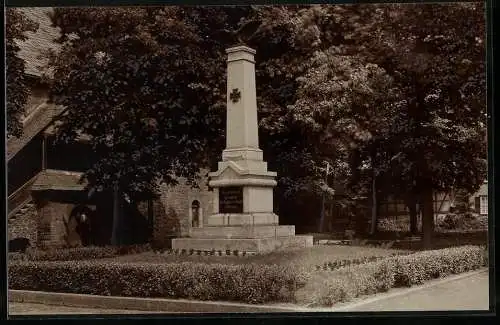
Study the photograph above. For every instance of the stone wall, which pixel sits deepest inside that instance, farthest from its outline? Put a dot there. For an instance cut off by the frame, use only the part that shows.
(45, 225)
(172, 211)
(52, 227)
(24, 224)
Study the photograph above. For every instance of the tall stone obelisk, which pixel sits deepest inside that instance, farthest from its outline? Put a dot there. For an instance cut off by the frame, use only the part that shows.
(243, 217)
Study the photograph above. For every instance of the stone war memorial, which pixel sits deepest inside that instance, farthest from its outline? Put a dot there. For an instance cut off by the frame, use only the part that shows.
(242, 218)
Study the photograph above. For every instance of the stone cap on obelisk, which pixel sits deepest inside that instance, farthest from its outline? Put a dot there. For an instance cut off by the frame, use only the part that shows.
(242, 138)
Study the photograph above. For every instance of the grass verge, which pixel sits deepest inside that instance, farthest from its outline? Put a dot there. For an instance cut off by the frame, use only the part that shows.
(326, 288)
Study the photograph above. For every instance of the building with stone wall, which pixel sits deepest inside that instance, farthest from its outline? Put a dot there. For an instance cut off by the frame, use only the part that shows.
(44, 185)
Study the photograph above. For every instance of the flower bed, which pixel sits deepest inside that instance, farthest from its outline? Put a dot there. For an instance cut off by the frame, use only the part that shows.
(339, 263)
(246, 283)
(344, 284)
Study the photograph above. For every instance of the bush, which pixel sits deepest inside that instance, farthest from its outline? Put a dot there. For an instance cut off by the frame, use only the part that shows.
(349, 282)
(417, 268)
(246, 283)
(450, 221)
(78, 253)
(465, 221)
(393, 224)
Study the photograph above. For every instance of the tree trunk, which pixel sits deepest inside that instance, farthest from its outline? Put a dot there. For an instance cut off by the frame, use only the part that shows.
(427, 219)
(150, 219)
(115, 236)
(411, 202)
(373, 227)
(322, 218)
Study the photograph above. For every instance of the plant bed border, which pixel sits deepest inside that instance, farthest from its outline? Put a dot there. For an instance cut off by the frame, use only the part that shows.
(344, 284)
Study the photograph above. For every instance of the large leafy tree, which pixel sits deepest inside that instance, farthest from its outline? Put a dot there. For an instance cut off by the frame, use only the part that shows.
(17, 24)
(293, 43)
(433, 138)
(438, 140)
(145, 84)
(387, 89)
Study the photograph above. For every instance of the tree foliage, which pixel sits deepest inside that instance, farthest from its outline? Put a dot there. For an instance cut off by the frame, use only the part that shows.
(146, 85)
(391, 91)
(17, 91)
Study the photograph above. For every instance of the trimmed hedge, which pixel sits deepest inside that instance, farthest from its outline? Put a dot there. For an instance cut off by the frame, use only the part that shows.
(78, 253)
(251, 283)
(246, 283)
(400, 271)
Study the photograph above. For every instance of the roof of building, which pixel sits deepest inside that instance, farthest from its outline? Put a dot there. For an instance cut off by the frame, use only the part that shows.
(51, 179)
(42, 118)
(483, 190)
(34, 52)
(34, 49)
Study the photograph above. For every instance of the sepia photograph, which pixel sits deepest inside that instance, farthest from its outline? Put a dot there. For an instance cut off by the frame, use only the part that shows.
(170, 160)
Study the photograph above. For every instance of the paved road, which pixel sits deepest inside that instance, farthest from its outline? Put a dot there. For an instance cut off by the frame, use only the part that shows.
(40, 309)
(470, 293)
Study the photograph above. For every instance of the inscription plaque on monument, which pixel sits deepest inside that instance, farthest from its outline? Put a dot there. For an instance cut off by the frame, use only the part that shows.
(231, 199)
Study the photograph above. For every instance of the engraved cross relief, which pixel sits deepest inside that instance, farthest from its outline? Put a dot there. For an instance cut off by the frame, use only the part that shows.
(235, 95)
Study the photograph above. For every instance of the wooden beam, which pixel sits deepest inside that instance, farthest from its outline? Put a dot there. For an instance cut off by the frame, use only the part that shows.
(44, 152)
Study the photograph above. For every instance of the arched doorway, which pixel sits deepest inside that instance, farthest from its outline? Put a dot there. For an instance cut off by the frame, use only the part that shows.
(83, 216)
(196, 214)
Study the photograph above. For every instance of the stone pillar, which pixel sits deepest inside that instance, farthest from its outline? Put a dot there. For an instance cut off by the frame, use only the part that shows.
(242, 175)
(241, 127)
(242, 217)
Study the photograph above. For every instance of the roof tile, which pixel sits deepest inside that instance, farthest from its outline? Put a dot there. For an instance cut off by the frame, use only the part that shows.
(52, 179)
(34, 49)
(42, 118)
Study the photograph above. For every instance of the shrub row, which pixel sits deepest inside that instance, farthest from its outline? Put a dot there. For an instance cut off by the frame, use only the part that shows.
(246, 283)
(398, 271)
(78, 253)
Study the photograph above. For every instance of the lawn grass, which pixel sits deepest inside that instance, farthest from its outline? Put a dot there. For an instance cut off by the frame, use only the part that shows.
(295, 276)
(305, 259)
(448, 239)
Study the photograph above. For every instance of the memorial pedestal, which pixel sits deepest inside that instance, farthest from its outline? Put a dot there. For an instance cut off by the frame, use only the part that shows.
(243, 217)
(248, 245)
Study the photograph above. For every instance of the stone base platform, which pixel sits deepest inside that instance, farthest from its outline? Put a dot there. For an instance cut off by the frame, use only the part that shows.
(234, 232)
(243, 219)
(259, 245)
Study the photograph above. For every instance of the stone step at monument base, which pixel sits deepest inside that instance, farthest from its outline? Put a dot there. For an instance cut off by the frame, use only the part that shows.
(258, 245)
(240, 219)
(233, 232)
